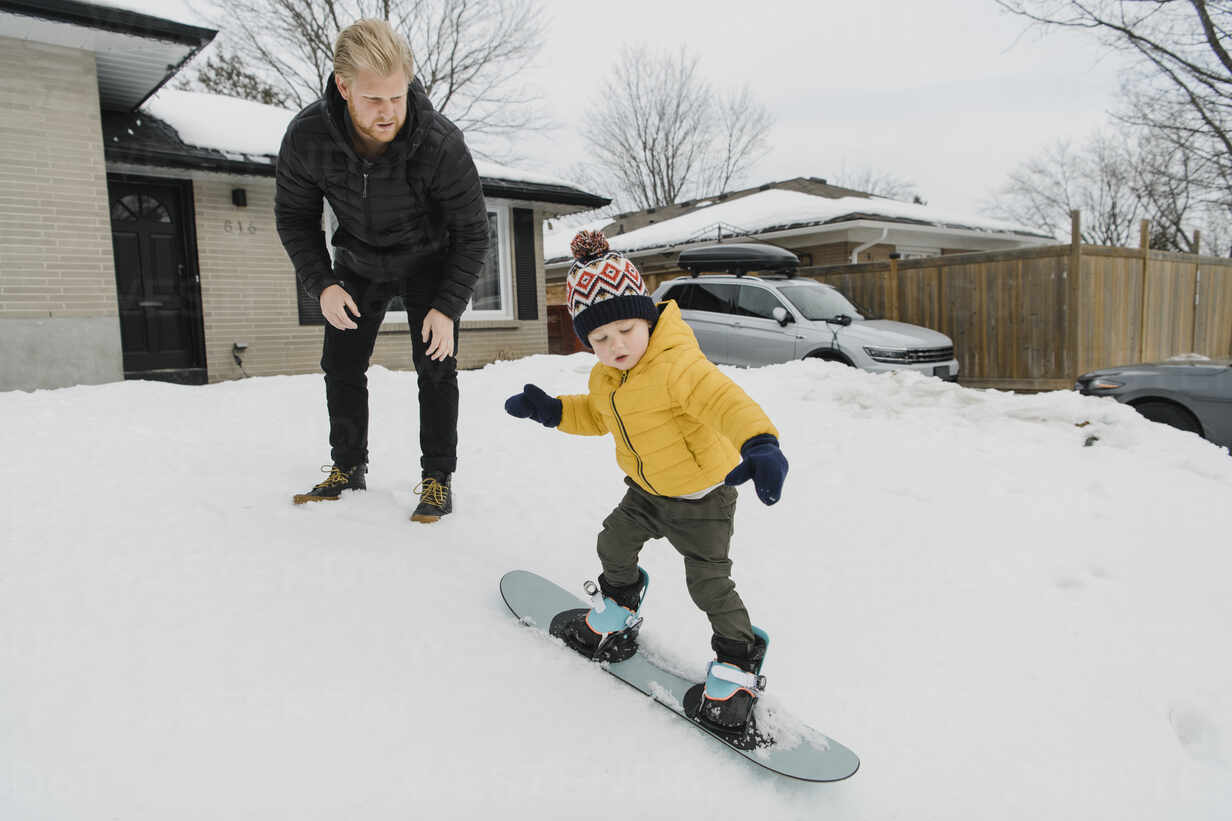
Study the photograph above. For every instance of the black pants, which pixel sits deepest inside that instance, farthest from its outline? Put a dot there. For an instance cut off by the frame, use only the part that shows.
(345, 360)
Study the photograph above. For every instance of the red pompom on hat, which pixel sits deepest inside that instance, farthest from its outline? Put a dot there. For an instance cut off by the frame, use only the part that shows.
(587, 245)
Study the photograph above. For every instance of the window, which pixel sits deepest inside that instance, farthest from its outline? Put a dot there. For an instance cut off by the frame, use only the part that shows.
(704, 296)
(817, 302)
(676, 292)
(757, 302)
(493, 296)
(135, 207)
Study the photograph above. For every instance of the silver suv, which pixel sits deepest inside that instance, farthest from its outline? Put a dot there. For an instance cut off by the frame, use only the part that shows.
(761, 320)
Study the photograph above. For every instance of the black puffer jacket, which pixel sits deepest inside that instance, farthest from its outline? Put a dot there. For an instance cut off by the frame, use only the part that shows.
(416, 212)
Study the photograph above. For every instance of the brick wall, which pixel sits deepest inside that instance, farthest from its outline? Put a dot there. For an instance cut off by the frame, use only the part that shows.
(55, 230)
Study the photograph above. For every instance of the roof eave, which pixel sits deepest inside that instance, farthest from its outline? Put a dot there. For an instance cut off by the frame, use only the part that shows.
(263, 166)
(541, 192)
(108, 18)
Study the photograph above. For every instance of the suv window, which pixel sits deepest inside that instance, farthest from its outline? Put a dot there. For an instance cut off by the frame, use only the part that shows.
(821, 302)
(757, 302)
(703, 296)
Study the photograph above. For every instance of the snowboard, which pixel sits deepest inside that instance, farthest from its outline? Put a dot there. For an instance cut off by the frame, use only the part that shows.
(794, 751)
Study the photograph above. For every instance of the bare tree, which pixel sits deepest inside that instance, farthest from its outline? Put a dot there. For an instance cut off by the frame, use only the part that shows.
(229, 75)
(1115, 182)
(1185, 96)
(878, 183)
(1095, 178)
(660, 133)
(469, 54)
(742, 124)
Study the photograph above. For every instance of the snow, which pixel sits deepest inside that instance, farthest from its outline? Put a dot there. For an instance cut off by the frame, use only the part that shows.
(210, 121)
(496, 171)
(230, 124)
(222, 123)
(177, 11)
(559, 232)
(1002, 622)
(778, 209)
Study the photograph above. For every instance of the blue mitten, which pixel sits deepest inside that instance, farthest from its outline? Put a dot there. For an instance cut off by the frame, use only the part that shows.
(765, 464)
(533, 403)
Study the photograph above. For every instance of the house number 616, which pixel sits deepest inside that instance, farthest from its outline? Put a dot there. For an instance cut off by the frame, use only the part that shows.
(238, 227)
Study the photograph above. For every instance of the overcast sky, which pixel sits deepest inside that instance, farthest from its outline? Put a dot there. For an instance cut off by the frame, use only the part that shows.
(949, 94)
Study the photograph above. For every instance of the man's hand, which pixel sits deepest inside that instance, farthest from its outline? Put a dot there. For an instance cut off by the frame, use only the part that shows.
(334, 304)
(438, 328)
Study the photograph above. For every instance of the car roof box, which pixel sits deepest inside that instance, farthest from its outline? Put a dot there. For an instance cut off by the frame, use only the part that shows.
(738, 258)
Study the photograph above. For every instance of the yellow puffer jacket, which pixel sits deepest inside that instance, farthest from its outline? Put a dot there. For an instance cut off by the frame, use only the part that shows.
(678, 423)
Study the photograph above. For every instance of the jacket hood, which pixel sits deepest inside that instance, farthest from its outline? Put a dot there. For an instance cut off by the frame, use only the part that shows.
(670, 331)
(418, 110)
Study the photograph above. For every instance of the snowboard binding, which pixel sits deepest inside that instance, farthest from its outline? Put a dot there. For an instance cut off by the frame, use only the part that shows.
(608, 630)
(724, 702)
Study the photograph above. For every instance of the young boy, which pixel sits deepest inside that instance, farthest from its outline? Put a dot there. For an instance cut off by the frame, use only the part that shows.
(684, 434)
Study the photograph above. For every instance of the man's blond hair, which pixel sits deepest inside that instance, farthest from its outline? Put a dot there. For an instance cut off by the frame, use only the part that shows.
(373, 45)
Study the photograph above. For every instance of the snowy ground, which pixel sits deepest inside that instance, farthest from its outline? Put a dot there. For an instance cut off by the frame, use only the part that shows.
(1002, 622)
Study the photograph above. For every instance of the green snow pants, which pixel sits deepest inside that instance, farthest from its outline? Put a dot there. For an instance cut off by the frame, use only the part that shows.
(701, 532)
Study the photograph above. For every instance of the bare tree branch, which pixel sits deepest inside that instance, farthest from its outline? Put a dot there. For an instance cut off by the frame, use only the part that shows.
(1182, 101)
(469, 54)
(661, 134)
(878, 183)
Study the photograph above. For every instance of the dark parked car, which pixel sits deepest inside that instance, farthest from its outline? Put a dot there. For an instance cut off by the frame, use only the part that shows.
(1190, 394)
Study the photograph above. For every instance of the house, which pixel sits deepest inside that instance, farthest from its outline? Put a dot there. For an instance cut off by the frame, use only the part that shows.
(137, 233)
(821, 223)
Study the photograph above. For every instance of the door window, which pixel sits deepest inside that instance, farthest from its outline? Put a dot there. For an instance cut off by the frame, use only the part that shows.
(135, 207)
(757, 302)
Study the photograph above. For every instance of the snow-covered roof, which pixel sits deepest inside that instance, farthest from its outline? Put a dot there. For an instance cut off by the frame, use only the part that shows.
(252, 132)
(557, 238)
(778, 210)
(226, 124)
(495, 171)
(177, 11)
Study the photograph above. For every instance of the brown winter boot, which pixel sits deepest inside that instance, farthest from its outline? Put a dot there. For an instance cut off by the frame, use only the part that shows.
(331, 487)
(435, 497)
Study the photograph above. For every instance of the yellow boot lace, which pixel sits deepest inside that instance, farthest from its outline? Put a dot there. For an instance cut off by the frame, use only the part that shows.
(337, 476)
(432, 491)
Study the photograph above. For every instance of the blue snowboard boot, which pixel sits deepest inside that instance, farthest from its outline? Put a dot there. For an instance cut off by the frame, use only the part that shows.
(734, 682)
(608, 630)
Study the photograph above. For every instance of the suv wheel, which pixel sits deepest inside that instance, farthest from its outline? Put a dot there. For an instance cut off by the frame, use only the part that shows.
(831, 356)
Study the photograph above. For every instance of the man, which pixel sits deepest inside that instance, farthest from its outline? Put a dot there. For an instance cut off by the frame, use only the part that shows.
(411, 222)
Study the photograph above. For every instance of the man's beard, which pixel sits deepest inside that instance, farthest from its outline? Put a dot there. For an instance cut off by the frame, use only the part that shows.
(371, 132)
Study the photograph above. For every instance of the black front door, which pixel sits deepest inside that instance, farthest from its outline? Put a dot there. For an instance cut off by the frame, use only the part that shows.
(156, 282)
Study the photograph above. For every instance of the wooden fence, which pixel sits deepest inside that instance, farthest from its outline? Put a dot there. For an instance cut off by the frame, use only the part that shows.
(1022, 320)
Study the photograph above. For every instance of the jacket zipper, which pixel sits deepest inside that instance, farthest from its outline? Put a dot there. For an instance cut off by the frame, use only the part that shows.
(625, 434)
(364, 197)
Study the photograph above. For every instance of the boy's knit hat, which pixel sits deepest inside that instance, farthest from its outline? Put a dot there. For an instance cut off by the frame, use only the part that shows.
(603, 286)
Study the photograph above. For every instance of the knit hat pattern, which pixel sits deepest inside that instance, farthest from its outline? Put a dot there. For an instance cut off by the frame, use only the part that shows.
(603, 286)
